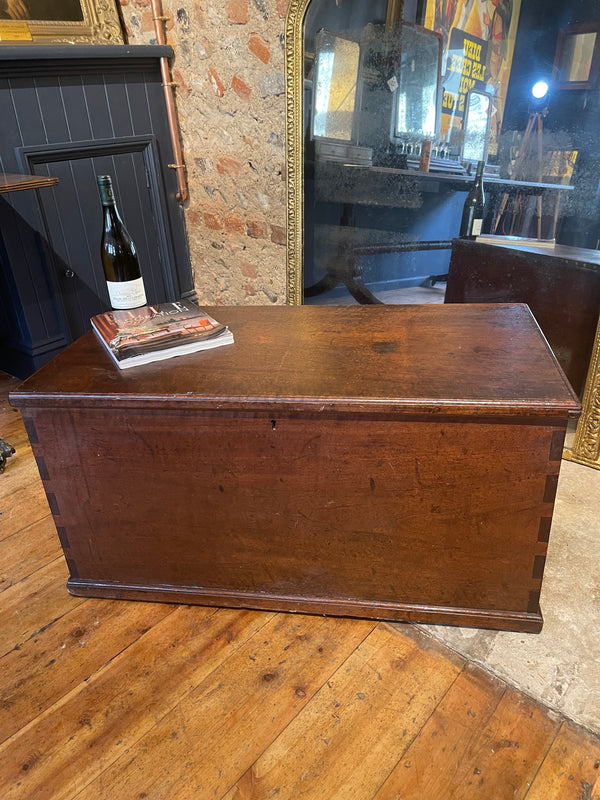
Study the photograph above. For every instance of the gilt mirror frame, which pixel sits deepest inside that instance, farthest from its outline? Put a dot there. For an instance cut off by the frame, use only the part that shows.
(294, 99)
(586, 445)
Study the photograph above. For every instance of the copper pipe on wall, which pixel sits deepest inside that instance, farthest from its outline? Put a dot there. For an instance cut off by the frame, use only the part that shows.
(169, 88)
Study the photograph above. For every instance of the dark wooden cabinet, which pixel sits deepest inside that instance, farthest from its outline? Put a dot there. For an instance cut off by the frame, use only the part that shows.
(397, 462)
(560, 285)
(73, 113)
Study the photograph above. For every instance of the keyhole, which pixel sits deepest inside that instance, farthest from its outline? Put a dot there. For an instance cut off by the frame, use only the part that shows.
(273, 424)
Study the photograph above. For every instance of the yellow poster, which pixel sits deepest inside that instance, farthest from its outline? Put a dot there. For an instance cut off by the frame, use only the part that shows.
(479, 38)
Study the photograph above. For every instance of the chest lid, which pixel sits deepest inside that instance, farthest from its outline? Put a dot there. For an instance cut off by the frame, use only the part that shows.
(425, 359)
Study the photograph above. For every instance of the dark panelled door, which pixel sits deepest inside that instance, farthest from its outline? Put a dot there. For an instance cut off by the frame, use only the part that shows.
(72, 216)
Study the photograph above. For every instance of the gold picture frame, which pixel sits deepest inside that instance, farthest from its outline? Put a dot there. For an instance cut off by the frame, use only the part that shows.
(294, 100)
(586, 444)
(95, 22)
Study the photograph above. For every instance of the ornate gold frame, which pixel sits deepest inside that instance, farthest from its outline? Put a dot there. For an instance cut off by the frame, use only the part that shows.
(586, 445)
(294, 100)
(101, 25)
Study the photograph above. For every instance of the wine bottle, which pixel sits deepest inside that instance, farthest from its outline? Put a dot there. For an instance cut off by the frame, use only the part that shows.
(472, 215)
(117, 251)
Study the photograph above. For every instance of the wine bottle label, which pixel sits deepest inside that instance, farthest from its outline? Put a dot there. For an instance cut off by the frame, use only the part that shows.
(477, 223)
(127, 294)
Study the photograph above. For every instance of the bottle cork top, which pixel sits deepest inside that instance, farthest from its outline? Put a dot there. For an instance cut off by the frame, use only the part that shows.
(106, 191)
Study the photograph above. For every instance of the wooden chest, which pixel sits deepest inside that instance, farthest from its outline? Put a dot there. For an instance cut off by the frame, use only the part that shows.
(394, 462)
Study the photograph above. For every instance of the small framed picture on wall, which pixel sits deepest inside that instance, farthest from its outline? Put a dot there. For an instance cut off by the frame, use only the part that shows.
(577, 56)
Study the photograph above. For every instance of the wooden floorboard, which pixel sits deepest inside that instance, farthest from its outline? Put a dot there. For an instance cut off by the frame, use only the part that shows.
(104, 699)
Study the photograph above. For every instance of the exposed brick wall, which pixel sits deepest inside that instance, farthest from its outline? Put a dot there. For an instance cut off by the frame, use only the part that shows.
(230, 69)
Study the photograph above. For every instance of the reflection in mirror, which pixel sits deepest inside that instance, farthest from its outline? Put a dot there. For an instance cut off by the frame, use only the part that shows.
(417, 95)
(476, 126)
(336, 75)
(577, 56)
(374, 88)
(364, 204)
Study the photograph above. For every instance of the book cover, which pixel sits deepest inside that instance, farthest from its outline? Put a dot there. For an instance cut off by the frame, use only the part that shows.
(157, 332)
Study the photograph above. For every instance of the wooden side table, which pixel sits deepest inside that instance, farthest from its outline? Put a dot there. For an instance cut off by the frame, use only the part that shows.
(17, 183)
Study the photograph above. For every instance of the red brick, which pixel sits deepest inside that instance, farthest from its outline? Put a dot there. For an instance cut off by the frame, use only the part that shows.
(237, 12)
(234, 225)
(147, 23)
(183, 90)
(257, 230)
(282, 6)
(259, 47)
(216, 82)
(228, 166)
(213, 221)
(208, 46)
(248, 270)
(193, 217)
(250, 290)
(278, 234)
(240, 88)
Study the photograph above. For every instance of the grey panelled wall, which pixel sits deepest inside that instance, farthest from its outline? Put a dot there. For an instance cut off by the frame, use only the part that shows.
(74, 112)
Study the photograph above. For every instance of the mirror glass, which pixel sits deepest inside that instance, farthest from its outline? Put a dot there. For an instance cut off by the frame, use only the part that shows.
(372, 89)
(389, 105)
(336, 76)
(418, 76)
(476, 126)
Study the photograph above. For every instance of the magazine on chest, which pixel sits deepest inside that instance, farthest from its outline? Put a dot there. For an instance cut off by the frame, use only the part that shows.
(157, 332)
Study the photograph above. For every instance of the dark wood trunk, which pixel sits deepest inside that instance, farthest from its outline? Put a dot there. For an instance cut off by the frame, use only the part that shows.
(393, 462)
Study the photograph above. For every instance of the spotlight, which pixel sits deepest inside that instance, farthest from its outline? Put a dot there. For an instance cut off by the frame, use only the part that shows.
(539, 90)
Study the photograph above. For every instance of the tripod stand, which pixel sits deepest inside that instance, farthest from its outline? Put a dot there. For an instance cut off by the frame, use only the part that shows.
(526, 152)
